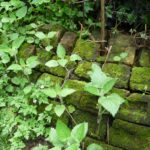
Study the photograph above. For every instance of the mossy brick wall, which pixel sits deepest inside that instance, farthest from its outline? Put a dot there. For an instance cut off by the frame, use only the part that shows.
(130, 129)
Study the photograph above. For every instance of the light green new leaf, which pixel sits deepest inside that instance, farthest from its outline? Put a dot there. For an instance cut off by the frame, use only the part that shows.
(92, 89)
(108, 85)
(51, 34)
(56, 148)
(21, 12)
(53, 138)
(94, 146)
(98, 78)
(14, 67)
(40, 35)
(52, 63)
(75, 57)
(62, 62)
(79, 131)
(61, 52)
(73, 147)
(48, 48)
(111, 103)
(63, 132)
(123, 55)
(117, 58)
(59, 110)
(32, 61)
(50, 92)
(49, 107)
(66, 91)
(17, 42)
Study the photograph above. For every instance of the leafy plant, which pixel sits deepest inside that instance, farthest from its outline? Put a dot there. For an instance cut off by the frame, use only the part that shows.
(100, 86)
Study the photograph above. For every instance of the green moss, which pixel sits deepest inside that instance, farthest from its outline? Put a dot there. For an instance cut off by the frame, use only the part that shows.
(140, 79)
(145, 58)
(46, 78)
(43, 55)
(134, 113)
(122, 92)
(81, 116)
(85, 49)
(26, 50)
(129, 136)
(105, 146)
(122, 72)
(82, 69)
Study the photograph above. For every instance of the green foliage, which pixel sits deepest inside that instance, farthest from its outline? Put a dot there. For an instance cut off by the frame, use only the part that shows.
(101, 85)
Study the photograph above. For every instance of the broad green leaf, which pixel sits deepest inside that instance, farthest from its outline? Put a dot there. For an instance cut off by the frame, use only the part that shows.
(117, 58)
(50, 92)
(62, 62)
(56, 148)
(79, 131)
(32, 61)
(73, 147)
(49, 107)
(27, 89)
(17, 42)
(30, 39)
(61, 52)
(92, 89)
(40, 35)
(63, 132)
(27, 71)
(108, 85)
(48, 48)
(71, 108)
(53, 138)
(59, 110)
(14, 67)
(66, 91)
(111, 103)
(52, 63)
(75, 57)
(98, 78)
(94, 146)
(5, 48)
(21, 12)
(51, 34)
(5, 58)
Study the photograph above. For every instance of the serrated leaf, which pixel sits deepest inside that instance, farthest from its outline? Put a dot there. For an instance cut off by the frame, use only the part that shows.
(98, 78)
(92, 89)
(62, 131)
(40, 35)
(17, 42)
(66, 91)
(59, 110)
(61, 52)
(108, 85)
(21, 12)
(14, 67)
(79, 132)
(94, 146)
(62, 62)
(52, 63)
(75, 57)
(32, 61)
(50, 92)
(111, 103)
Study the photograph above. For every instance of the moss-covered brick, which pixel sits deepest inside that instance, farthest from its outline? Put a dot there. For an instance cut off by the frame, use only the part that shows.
(122, 43)
(43, 55)
(144, 60)
(134, 112)
(82, 69)
(122, 92)
(105, 146)
(86, 49)
(81, 116)
(46, 78)
(122, 72)
(129, 136)
(26, 50)
(140, 79)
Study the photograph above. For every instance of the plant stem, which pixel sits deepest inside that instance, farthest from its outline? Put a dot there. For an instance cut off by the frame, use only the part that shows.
(99, 118)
